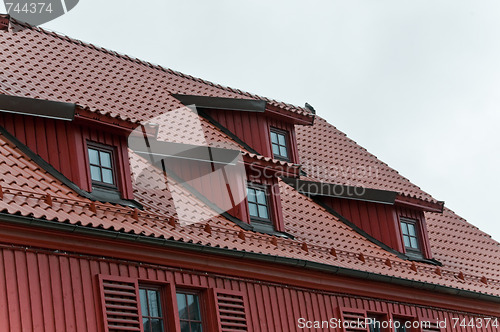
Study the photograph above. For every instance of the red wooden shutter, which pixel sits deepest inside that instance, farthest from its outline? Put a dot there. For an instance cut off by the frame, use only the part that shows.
(350, 319)
(120, 304)
(231, 311)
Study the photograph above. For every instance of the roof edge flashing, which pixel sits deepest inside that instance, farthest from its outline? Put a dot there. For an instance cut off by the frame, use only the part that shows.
(37, 107)
(313, 188)
(234, 104)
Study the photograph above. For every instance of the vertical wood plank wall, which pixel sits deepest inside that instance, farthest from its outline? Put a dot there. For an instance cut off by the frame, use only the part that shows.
(254, 129)
(375, 219)
(44, 291)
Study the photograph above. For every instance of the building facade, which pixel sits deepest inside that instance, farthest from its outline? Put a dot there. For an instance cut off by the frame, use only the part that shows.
(137, 198)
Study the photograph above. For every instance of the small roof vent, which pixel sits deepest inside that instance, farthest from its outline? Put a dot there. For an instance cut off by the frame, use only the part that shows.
(310, 108)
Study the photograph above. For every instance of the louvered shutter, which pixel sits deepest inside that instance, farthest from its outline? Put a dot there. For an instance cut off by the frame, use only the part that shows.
(350, 318)
(231, 311)
(120, 304)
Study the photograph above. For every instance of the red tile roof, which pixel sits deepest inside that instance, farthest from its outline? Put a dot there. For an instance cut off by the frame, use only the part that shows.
(42, 64)
(340, 160)
(117, 85)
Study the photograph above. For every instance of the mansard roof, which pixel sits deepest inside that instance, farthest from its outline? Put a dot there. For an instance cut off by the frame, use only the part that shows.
(45, 65)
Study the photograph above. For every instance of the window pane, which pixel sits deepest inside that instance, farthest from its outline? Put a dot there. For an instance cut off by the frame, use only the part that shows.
(253, 209)
(146, 323)
(105, 159)
(185, 327)
(154, 303)
(407, 241)
(414, 242)
(251, 195)
(107, 176)
(263, 211)
(196, 327)
(93, 156)
(261, 196)
(95, 173)
(401, 328)
(276, 149)
(194, 307)
(374, 325)
(404, 228)
(181, 305)
(281, 139)
(157, 325)
(411, 229)
(144, 302)
(283, 151)
(274, 137)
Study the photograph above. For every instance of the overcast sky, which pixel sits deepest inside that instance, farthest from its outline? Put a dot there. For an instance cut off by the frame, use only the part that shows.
(415, 82)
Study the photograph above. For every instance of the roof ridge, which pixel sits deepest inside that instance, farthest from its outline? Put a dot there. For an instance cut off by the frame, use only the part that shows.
(156, 66)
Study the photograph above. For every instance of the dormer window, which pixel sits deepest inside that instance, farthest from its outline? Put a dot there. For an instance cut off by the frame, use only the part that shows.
(258, 203)
(101, 163)
(410, 234)
(280, 144)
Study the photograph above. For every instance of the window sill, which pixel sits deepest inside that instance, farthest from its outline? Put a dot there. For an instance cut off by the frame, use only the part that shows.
(282, 158)
(112, 196)
(413, 258)
(267, 228)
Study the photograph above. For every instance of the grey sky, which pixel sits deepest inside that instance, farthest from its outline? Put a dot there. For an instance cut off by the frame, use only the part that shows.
(414, 82)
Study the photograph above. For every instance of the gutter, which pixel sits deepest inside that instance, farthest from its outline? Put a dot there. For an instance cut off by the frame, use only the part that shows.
(291, 262)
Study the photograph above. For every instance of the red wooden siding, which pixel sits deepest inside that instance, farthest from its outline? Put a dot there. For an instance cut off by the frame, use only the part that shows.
(45, 291)
(63, 145)
(375, 219)
(380, 220)
(254, 129)
(250, 127)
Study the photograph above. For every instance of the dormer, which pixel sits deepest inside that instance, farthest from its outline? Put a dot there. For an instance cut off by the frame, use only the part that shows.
(240, 186)
(87, 149)
(268, 135)
(388, 218)
(263, 128)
